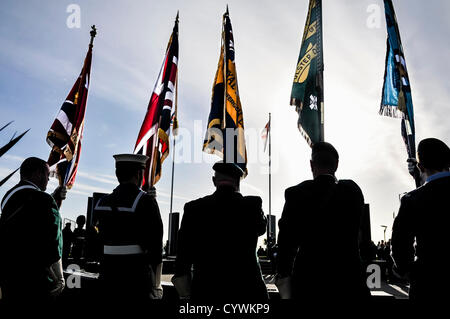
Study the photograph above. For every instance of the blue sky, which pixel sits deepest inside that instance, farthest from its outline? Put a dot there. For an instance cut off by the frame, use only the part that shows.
(40, 58)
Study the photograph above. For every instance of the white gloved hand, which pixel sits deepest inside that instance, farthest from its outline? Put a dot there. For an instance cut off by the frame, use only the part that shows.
(412, 162)
(157, 290)
(56, 273)
(284, 286)
(183, 286)
(60, 193)
(152, 192)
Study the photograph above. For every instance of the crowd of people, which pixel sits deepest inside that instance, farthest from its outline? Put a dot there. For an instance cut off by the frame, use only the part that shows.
(227, 226)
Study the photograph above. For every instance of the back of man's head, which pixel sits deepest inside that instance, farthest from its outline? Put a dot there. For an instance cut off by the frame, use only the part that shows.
(324, 156)
(81, 220)
(434, 154)
(127, 172)
(31, 167)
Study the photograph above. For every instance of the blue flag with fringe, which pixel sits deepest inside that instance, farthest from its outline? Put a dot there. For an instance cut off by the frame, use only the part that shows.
(396, 100)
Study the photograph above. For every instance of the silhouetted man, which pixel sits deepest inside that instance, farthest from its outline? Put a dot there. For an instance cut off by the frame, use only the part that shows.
(317, 215)
(67, 242)
(424, 217)
(79, 239)
(131, 231)
(218, 238)
(31, 216)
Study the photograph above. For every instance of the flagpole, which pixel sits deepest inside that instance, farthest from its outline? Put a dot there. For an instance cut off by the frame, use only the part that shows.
(173, 173)
(224, 121)
(173, 134)
(270, 176)
(322, 102)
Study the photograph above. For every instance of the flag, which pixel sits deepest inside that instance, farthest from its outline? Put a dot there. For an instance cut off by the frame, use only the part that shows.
(396, 100)
(225, 117)
(265, 134)
(66, 132)
(307, 89)
(153, 138)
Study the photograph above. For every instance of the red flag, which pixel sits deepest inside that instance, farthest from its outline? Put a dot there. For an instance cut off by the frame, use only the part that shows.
(66, 132)
(153, 138)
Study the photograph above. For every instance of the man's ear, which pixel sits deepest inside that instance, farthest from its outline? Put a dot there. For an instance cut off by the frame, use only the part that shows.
(337, 165)
(140, 177)
(214, 180)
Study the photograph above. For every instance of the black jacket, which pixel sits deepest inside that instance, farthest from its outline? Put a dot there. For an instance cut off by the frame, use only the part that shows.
(424, 216)
(318, 238)
(30, 240)
(218, 237)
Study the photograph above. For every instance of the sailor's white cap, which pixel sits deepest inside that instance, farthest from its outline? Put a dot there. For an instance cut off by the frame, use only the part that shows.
(133, 159)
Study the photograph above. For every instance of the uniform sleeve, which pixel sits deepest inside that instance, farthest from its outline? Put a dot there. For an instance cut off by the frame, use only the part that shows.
(287, 239)
(52, 244)
(153, 230)
(403, 236)
(255, 205)
(185, 242)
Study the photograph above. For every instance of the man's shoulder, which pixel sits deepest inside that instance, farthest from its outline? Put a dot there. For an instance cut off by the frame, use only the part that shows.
(303, 186)
(349, 184)
(145, 198)
(30, 193)
(20, 188)
(253, 200)
(199, 202)
(105, 200)
(415, 193)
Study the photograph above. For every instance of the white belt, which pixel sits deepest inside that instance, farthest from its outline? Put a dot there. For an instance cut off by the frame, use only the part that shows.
(122, 250)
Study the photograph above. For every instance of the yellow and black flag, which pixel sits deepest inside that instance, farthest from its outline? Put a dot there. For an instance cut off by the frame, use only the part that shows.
(225, 132)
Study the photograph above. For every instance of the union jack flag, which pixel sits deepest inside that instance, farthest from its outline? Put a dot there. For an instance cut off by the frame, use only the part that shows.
(153, 138)
(66, 132)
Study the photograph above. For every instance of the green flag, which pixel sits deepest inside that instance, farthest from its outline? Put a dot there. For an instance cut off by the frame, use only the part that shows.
(307, 89)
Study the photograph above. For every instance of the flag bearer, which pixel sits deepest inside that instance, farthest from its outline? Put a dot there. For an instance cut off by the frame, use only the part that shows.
(31, 237)
(131, 231)
(218, 239)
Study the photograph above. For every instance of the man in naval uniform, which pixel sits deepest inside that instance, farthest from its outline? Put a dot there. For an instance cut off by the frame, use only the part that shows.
(31, 237)
(131, 230)
(218, 238)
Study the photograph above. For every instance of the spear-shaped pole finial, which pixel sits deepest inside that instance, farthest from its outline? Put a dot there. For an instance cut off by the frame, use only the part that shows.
(178, 16)
(227, 13)
(93, 34)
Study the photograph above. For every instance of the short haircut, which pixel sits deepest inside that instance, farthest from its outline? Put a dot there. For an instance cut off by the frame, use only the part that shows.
(32, 166)
(81, 219)
(434, 154)
(125, 172)
(324, 155)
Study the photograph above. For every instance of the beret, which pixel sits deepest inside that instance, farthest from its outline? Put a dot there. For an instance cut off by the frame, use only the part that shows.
(229, 169)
